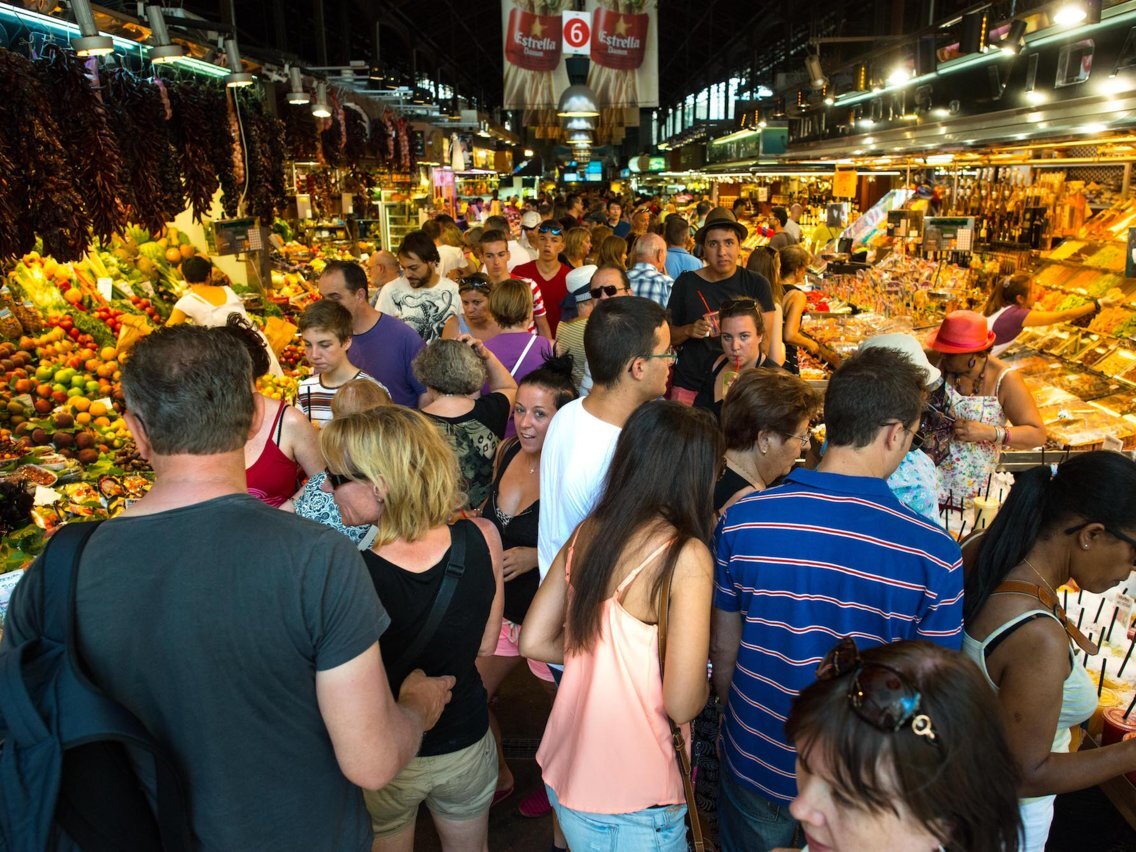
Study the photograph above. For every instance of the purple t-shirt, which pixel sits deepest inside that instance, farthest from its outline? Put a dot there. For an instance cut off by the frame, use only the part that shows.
(385, 352)
(1008, 324)
(508, 348)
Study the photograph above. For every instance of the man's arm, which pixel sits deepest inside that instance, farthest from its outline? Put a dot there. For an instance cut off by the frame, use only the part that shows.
(374, 737)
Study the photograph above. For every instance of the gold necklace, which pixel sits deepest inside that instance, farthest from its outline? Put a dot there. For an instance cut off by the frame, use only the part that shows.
(1052, 590)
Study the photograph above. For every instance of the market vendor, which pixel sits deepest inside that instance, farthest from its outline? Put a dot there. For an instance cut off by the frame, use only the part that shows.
(1010, 309)
(990, 403)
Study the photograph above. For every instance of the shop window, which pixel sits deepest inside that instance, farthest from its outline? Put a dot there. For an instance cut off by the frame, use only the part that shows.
(1074, 63)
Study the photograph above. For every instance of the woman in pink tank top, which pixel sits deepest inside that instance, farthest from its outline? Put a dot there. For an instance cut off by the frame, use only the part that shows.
(606, 755)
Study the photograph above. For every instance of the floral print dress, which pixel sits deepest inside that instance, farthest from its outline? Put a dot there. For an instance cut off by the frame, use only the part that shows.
(969, 464)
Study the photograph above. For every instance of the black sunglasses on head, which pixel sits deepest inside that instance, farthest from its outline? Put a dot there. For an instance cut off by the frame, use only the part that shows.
(472, 283)
(738, 305)
(337, 479)
(549, 229)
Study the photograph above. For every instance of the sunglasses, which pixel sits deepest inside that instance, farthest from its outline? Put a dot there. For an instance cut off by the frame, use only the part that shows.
(549, 229)
(474, 284)
(608, 290)
(738, 305)
(337, 479)
(878, 694)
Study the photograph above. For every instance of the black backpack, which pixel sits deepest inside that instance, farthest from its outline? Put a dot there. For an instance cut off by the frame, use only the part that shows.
(66, 779)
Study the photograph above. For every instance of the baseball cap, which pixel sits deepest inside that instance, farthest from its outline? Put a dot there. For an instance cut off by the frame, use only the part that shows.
(531, 219)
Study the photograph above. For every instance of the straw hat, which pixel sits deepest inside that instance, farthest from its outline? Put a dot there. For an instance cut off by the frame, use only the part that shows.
(962, 332)
(720, 217)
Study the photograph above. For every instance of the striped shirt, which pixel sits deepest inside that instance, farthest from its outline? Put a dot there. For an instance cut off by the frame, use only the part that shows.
(819, 558)
(315, 400)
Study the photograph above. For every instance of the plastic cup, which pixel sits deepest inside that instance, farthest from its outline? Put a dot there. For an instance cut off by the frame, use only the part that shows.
(712, 319)
(1115, 726)
(1108, 698)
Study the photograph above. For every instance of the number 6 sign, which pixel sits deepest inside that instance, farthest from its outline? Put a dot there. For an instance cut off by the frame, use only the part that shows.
(577, 32)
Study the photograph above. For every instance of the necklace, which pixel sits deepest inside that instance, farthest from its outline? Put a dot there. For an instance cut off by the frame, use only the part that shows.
(977, 385)
(1052, 590)
(749, 472)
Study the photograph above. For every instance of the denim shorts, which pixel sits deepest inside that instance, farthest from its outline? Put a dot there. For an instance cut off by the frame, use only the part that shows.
(658, 829)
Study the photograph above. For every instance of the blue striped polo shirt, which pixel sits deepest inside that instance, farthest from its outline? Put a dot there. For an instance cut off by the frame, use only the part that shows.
(818, 558)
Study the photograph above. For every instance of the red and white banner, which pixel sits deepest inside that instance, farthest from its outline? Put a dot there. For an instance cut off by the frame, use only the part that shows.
(625, 52)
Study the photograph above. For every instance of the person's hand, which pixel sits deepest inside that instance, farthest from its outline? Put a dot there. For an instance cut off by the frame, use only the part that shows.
(455, 274)
(426, 696)
(974, 431)
(476, 345)
(517, 561)
(700, 327)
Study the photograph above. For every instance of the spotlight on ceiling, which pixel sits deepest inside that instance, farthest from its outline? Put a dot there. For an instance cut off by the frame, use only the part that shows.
(320, 108)
(899, 75)
(161, 50)
(236, 76)
(296, 93)
(1070, 13)
(1015, 39)
(89, 43)
(815, 70)
(578, 102)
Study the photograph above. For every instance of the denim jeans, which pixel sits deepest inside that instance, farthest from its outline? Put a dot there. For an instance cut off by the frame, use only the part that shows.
(749, 822)
(659, 829)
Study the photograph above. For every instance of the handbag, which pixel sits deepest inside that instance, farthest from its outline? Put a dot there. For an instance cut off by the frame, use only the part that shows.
(455, 568)
(677, 738)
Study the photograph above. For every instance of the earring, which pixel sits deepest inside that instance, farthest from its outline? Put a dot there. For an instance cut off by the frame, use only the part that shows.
(970, 364)
(1084, 547)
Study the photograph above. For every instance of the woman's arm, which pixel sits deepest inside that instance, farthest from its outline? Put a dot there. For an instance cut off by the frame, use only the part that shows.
(493, 625)
(177, 317)
(450, 330)
(685, 687)
(542, 327)
(1030, 692)
(499, 379)
(299, 440)
(1027, 428)
(1036, 318)
(794, 309)
(542, 634)
(776, 352)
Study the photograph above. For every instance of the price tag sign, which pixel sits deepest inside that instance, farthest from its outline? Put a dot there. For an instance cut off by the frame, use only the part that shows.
(577, 33)
(7, 584)
(106, 288)
(844, 183)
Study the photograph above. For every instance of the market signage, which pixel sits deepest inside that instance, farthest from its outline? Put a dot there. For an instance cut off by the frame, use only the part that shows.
(620, 37)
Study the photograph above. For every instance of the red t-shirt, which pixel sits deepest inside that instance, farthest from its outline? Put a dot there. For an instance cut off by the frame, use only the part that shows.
(553, 289)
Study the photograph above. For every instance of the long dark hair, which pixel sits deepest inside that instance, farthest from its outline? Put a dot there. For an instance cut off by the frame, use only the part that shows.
(961, 788)
(1099, 486)
(662, 475)
(1006, 291)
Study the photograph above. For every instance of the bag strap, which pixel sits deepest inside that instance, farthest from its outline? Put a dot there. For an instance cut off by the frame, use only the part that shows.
(1050, 602)
(677, 738)
(455, 568)
(524, 352)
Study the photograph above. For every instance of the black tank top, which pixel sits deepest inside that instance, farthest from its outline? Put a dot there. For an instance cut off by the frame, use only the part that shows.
(409, 597)
(792, 362)
(516, 531)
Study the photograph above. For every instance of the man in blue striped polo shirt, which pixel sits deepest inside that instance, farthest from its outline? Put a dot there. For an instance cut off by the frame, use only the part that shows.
(829, 553)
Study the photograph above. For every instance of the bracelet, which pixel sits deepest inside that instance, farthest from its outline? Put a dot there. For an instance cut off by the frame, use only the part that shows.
(1006, 437)
(999, 435)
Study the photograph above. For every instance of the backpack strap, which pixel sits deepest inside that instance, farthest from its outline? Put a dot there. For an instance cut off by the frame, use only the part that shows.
(59, 571)
(455, 568)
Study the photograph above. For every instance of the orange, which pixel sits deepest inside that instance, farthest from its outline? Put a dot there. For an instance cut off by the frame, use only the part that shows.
(91, 364)
(73, 295)
(83, 418)
(102, 421)
(97, 409)
(80, 403)
(108, 353)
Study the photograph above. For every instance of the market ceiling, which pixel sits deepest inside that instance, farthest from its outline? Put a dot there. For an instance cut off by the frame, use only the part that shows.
(699, 42)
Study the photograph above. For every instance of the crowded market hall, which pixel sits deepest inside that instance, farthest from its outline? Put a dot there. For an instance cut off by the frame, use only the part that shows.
(724, 414)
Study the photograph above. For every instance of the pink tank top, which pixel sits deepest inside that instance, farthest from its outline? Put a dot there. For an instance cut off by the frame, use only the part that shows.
(273, 477)
(607, 745)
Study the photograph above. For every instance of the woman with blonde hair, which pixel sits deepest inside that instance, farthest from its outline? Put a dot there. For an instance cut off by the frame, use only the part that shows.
(599, 234)
(613, 252)
(577, 246)
(443, 587)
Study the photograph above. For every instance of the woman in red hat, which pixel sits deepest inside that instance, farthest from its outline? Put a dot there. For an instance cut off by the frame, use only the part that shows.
(991, 405)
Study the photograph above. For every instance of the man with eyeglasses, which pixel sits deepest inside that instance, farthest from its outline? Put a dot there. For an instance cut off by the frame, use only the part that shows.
(548, 271)
(829, 553)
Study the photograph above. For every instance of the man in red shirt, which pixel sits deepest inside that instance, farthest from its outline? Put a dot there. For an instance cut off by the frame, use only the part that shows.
(547, 271)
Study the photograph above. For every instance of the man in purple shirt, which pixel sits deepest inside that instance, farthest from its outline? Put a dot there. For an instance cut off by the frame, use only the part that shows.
(382, 346)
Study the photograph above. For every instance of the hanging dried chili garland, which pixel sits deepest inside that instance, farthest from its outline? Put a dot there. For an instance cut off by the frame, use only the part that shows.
(192, 116)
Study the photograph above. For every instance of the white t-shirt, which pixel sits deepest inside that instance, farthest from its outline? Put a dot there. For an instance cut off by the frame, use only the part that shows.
(519, 254)
(425, 309)
(794, 229)
(452, 258)
(576, 455)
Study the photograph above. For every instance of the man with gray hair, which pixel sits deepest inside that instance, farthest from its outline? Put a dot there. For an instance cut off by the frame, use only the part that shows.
(244, 638)
(648, 276)
(382, 268)
(793, 223)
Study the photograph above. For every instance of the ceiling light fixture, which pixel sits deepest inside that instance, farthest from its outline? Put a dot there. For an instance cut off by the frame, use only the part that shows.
(237, 76)
(1015, 39)
(1073, 12)
(320, 108)
(296, 94)
(815, 70)
(161, 50)
(899, 75)
(89, 43)
(578, 102)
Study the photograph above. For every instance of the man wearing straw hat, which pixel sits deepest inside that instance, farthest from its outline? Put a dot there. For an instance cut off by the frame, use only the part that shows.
(697, 295)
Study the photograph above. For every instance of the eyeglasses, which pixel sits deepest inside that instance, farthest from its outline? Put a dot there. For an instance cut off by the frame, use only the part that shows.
(916, 435)
(670, 355)
(802, 439)
(738, 305)
(1127, 539)
(337, 479)
(549, 229)
(608, 290)
(878, 694)
(474, 284)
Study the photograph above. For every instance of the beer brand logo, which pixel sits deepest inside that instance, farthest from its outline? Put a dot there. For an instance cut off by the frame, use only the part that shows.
(533, 41)
(620, 39)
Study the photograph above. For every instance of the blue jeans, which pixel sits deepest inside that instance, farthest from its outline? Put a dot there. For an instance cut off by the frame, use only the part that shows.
(659, 829)
(749, 822)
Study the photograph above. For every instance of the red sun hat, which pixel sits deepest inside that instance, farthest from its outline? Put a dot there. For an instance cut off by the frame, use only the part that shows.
(961, 332)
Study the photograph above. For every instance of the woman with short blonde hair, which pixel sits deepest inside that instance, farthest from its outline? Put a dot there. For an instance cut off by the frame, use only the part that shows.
(391, 467)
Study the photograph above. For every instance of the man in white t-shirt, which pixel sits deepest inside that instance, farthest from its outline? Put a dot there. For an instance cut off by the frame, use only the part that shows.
(452, 261)
(628, 346)
(422, 298)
